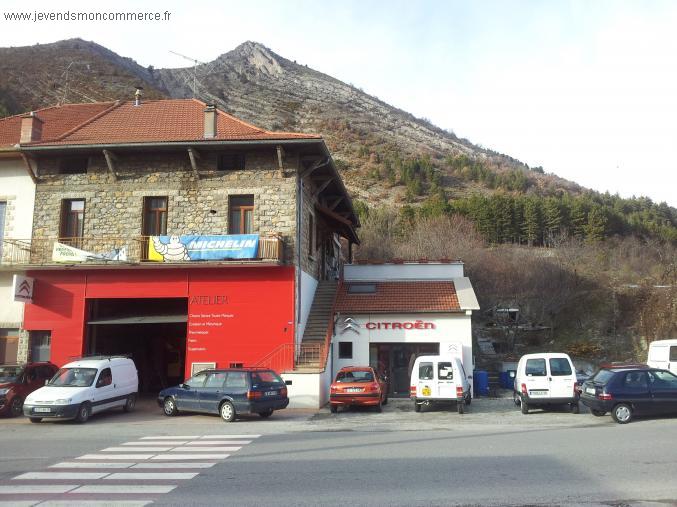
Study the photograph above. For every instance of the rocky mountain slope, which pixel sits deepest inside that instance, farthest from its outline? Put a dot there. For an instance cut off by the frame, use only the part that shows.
(367, 136)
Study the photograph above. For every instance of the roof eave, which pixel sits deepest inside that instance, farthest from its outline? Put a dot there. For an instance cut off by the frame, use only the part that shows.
(30, 148)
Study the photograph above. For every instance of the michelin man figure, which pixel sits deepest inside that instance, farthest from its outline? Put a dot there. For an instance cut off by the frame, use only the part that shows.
(172, 251)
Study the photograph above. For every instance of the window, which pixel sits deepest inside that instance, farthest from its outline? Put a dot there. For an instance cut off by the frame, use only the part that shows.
(41, 344)
(362, 288)
(673, 353)
(636, 380)
(663, 380)
(267, 377)
(230, 162)
(216, 379)
(105, 378)
(311, 234)
(425, 371)
(73, 165)
(536, 367)
(241, 214)
(72, 221)
(197, 380)
(345, 350)
(3, 207)
(445, 371)
(154, 216)
(560, 367)
(236, 380)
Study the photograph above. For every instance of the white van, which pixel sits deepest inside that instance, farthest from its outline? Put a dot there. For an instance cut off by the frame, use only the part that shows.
(85, 387)
(439, 379)
(545, 379)
(663, 355)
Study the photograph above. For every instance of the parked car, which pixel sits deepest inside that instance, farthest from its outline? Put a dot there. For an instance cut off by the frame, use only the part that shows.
(19, 380)
(436, 379)
(228, 393)
(358, 385)
(544, 380)
(663, 354)
(84, 387)
(630, 391)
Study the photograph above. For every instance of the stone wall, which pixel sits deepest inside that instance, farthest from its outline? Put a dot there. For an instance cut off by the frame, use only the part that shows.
(195, 205)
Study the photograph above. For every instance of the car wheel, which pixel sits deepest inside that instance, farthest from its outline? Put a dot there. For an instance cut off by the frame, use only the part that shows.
(130, 403)
(417, 407)
(597, 413)
(461, 407)
(575, 409)
(267, 413)
(35, 419)
(16, 407)
(516, 399)
(333, 408)
(622, 413)
(169, 407)
(525, 407)
(227, 411)
(84, 411)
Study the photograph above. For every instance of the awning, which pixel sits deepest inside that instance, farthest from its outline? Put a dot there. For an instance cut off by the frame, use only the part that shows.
(141, 319)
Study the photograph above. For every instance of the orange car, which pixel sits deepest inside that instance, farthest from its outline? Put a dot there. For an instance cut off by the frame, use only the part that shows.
(358, 385)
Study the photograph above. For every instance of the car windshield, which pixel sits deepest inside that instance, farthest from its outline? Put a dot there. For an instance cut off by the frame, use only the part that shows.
(73, 377)
(10, 373)
(355, 376)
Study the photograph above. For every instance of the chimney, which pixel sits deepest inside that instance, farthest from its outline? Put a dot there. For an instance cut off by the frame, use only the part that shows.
(31, 128)
(137, 96)
(210, 121)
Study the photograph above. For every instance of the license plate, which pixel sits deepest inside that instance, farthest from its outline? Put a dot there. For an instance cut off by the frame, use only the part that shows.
(353, 389)
(538, 393)
(42, 409)
(590, 390)
(425, 391)
(270, 393)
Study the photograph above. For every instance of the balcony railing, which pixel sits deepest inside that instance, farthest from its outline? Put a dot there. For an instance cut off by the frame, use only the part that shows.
(106, 250)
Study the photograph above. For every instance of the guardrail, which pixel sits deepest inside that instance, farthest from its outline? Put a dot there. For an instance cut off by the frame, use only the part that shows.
(103, 249)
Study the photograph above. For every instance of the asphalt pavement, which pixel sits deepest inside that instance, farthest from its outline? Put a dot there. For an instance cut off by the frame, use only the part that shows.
(491, 455)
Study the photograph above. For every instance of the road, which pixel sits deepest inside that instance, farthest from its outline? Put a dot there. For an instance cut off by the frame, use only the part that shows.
(492, 455)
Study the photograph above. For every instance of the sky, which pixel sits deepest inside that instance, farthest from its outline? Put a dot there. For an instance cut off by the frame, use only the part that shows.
(585, 89)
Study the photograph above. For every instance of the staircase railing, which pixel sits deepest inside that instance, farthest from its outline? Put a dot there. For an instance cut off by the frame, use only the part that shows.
(280, 359)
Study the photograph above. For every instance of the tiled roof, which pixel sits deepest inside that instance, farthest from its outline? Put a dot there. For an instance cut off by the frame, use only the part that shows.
(176, 120)
(399, 297)
(57, 120)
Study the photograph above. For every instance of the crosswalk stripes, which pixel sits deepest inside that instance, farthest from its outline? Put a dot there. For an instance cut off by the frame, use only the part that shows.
(127, 474)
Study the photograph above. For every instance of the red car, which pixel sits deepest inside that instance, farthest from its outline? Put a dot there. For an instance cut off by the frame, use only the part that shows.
(19, 380)
(358, 385)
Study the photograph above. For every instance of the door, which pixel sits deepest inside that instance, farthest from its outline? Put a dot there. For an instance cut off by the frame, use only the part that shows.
(426, 379)
(635, 390)
(663, 387)
(536, 378)
(187, 397)
(562, 378)
(104, 392)
(672, 359)
(446, 387)
(212, 392)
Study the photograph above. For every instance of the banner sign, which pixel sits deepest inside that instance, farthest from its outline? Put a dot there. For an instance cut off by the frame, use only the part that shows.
(69, 254)
(202, 248)
(22, 288)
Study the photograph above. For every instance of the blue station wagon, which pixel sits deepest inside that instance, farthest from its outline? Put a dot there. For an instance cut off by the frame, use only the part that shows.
(227, 392)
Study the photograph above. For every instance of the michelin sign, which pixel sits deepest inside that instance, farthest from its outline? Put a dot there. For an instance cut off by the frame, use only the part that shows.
(202, 248)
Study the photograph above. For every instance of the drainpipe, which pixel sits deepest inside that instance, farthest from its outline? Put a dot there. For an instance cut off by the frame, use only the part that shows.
(299, 225)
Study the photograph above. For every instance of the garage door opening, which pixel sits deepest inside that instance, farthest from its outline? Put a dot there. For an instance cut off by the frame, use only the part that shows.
(151, 331)
(396, 360)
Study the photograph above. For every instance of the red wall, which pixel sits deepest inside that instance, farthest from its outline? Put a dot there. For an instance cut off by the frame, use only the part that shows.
(234, 314)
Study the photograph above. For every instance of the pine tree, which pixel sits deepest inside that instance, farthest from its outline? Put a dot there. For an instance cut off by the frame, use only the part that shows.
(596, 227)
(552, 217)
(532, 226)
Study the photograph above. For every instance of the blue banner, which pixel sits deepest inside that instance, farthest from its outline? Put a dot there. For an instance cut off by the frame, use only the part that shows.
(202, 248)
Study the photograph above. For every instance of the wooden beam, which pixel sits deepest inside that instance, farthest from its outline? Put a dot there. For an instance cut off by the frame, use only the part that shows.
(280, 159)
(194, 156)
(29, 168)
(314, 167)
(321, 188)
(332, 205)
(110, 162)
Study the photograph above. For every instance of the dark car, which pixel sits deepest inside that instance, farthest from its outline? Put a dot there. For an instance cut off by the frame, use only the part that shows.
(228, 392)
(629, 391)
(19, 380)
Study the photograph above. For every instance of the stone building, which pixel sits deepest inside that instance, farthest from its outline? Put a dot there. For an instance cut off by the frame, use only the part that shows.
(179, 234)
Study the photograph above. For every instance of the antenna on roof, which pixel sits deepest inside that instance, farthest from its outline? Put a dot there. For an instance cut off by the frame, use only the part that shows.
(195, 62)
(65, 74)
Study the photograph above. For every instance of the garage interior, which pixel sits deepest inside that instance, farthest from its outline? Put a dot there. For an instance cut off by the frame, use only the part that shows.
(396, 360)
(151, 331)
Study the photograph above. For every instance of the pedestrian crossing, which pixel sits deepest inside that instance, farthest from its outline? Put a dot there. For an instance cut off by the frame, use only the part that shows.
(133, 473)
